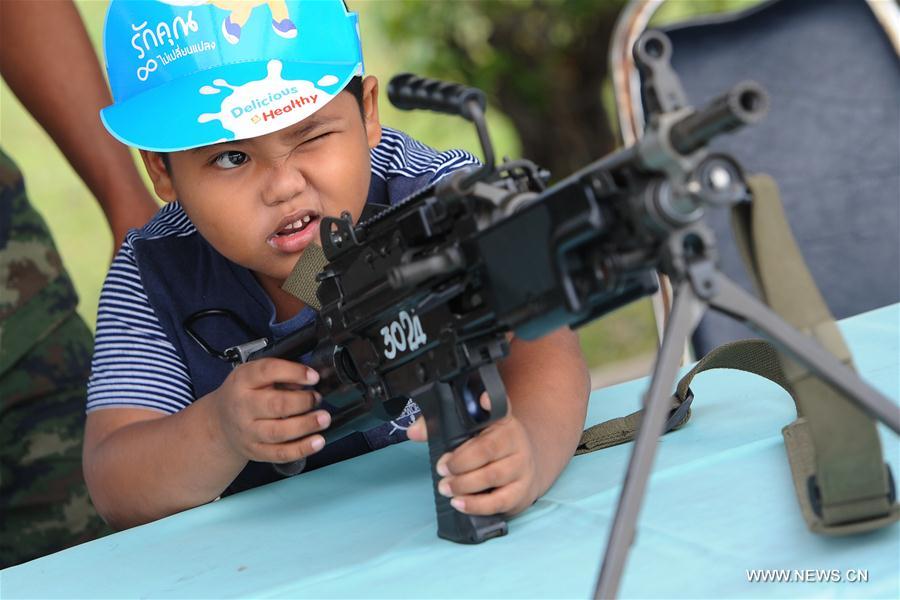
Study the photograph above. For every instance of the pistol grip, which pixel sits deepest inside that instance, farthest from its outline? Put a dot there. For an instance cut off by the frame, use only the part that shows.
(449, 425)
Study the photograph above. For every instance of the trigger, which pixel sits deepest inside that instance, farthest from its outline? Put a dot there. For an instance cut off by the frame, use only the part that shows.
(495, 389)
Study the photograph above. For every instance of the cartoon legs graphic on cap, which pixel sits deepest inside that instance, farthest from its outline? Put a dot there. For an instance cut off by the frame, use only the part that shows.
(239, 12)
(231, 31)
(281, 20)
(285, 28)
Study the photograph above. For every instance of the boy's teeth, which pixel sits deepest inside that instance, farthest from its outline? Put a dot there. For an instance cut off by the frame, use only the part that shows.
(298, 224)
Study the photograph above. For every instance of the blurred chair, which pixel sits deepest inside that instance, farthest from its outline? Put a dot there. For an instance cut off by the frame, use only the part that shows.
(831, 139)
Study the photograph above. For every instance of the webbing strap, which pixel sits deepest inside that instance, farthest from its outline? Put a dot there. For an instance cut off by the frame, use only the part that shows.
(860, 513)
(833, 447)
(623, 429)
(755, 356)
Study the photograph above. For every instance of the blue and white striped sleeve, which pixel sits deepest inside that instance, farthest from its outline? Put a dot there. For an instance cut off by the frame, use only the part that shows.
(450, 161)
(134, 364)
(399, 155)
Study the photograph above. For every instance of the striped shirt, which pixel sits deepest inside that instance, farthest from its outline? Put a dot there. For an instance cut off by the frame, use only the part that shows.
(135, 365)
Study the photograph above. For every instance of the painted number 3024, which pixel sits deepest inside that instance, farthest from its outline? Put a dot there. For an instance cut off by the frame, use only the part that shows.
(404, 334)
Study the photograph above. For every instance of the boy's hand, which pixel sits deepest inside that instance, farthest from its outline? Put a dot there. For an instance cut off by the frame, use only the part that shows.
(493, 473)
(265, 415)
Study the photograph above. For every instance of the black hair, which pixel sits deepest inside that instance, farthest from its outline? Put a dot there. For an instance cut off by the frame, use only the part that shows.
(354, 86)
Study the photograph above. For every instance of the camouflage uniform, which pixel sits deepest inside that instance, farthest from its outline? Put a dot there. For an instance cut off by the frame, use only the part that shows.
(45, 355)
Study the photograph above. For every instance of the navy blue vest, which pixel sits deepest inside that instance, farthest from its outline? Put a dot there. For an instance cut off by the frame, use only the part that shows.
(184, 275)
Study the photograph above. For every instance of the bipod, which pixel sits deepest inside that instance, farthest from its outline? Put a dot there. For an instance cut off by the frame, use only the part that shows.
(700, 285)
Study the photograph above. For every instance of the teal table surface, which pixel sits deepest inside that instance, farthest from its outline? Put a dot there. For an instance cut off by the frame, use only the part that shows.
(720, 504)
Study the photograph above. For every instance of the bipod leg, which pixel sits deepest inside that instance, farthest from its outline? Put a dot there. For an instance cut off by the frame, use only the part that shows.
(732, 300)
(686, 313)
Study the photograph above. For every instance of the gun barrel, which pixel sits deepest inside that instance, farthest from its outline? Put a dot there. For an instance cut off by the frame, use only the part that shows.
(744, 104)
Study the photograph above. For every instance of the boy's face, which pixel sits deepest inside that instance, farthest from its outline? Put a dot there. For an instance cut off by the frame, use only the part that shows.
(259, 202)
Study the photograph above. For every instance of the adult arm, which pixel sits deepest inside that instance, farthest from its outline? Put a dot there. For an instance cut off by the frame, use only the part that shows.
(47, 60)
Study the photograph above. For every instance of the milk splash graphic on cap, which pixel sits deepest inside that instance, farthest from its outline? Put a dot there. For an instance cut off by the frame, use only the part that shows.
(260, 107)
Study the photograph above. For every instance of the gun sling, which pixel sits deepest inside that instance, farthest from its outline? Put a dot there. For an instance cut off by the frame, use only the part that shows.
(840, 477)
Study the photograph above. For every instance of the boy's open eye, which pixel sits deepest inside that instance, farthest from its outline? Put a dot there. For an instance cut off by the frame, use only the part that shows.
(230, 159)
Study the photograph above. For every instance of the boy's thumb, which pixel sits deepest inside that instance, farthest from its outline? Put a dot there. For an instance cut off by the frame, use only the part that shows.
(417, 431)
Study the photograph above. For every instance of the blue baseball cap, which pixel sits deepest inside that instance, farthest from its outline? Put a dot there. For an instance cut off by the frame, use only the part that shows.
(189, 73)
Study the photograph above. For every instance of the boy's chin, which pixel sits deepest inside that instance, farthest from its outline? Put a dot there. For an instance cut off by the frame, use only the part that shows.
(275, 275)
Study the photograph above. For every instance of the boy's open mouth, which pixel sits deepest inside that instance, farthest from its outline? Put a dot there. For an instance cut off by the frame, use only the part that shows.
(295, 232)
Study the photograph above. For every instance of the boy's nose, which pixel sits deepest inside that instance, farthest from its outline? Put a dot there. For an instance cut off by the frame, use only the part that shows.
(283, 182)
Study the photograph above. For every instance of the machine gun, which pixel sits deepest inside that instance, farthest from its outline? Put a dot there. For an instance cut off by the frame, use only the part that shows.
(418, 300)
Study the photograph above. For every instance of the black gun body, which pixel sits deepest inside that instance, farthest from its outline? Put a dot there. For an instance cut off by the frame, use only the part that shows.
(420, 297)
(551, 264)
(376, 345)
(385, 345)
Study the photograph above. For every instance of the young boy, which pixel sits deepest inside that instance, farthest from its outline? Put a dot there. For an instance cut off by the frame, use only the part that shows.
(247, 177)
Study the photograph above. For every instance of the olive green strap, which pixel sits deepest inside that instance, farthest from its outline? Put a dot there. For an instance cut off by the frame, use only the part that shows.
(302, 282)
(833, 447)
(755, 356)
(760, 358)
(840, 477)
(623, 429)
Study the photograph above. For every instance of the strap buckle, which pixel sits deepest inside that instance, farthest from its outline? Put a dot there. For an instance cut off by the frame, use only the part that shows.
(815, 494)
(680, 413)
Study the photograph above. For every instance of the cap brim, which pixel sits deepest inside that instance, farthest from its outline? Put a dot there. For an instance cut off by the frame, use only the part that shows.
(227, 103)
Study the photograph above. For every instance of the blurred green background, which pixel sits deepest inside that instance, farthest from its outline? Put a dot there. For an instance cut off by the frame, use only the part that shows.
(510, 48)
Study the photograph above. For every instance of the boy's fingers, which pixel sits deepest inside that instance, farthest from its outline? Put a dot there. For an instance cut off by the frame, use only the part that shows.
(491, 445)
(494, 475)
(277, 404)
(417, 432)
(285, 453)
(499, 501)
(267, 371)
(279, 431)
(485, 402)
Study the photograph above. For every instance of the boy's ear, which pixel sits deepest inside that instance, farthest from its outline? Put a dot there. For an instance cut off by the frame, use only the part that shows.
(370, 110)
(159, 175)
